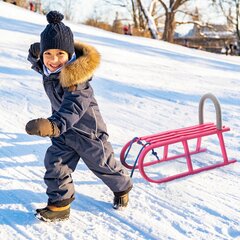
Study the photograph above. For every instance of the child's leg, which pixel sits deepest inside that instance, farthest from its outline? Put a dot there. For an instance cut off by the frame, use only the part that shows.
(60, 161)
(99, 157)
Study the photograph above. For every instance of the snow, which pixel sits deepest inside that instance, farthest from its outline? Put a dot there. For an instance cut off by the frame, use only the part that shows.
(143, 86)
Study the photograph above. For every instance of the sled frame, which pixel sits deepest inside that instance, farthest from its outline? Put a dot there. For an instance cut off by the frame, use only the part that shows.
(182, 135)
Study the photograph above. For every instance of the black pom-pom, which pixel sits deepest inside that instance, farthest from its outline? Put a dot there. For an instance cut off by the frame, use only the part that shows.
(54, 17)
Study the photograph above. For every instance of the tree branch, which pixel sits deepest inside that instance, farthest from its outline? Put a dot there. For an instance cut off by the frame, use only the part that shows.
(178, 3)
(197, 23)
(164, 5)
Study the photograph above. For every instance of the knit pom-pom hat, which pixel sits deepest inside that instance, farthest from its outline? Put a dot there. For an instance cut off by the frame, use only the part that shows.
(56, 35)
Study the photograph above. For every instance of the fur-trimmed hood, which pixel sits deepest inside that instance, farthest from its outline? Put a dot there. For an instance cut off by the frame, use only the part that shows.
(82, 69)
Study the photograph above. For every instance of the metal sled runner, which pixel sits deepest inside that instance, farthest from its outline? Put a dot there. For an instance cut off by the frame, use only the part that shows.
(183, 135)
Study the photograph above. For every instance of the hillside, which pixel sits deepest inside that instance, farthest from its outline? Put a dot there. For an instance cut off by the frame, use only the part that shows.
(143, 86)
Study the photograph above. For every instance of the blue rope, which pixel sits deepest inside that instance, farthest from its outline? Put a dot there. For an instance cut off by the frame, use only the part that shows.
(135, 163)
(130, 146)
(136, 160)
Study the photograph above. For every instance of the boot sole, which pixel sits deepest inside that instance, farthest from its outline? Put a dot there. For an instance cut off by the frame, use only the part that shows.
(121, 208)
(43, 219)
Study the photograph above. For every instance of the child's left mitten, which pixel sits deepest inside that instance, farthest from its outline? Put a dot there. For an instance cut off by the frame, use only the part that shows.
(42, 127)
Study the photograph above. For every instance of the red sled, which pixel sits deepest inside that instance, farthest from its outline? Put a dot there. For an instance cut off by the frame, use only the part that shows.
(183, 135)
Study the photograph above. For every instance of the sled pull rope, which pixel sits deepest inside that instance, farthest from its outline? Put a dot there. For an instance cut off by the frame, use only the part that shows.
(135, 163)
(129, 148)
(217, 109)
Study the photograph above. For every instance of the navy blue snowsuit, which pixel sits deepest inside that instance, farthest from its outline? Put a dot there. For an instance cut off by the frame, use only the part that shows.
(83, 133)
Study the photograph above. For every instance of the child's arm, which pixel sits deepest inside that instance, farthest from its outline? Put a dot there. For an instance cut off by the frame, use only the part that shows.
(73, 107)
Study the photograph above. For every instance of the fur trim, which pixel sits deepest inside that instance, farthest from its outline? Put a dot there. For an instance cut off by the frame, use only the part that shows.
(82, 69)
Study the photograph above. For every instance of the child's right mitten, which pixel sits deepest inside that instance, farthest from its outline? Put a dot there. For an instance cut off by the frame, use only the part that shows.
(42, 127)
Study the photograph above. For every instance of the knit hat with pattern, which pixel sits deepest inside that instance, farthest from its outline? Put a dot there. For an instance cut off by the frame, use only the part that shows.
(56, 35)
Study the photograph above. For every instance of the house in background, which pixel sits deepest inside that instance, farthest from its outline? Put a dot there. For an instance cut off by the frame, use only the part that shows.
(213, 38)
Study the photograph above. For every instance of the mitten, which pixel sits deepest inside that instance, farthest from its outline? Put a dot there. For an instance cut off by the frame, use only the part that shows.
(42, 127)
(34, 50)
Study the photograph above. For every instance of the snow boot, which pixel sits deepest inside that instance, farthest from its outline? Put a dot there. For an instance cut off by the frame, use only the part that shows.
(53, 213)
(120, 202)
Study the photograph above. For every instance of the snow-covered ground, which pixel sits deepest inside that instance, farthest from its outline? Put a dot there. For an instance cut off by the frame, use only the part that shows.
(143, 87)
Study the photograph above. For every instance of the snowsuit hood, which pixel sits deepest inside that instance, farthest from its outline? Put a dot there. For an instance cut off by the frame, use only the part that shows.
(82, 69)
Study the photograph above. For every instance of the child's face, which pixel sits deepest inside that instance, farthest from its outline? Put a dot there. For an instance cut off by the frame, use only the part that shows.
(54, 59)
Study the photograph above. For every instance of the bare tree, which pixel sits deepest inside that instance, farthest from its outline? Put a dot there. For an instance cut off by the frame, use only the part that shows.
(231, 10)
(150, 20)
(134, 13)
(146, 16)
(130, 5)
(170, 8)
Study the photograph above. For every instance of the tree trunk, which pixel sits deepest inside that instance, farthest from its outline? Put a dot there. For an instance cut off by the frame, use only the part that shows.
(170, 11)
(150, 21)
(134, 14)
(169, 27)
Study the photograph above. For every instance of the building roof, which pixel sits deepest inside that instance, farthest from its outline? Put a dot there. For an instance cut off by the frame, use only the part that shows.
(211, 31)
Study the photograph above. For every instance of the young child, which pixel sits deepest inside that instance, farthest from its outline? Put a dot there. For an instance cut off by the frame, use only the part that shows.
(76, 127)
